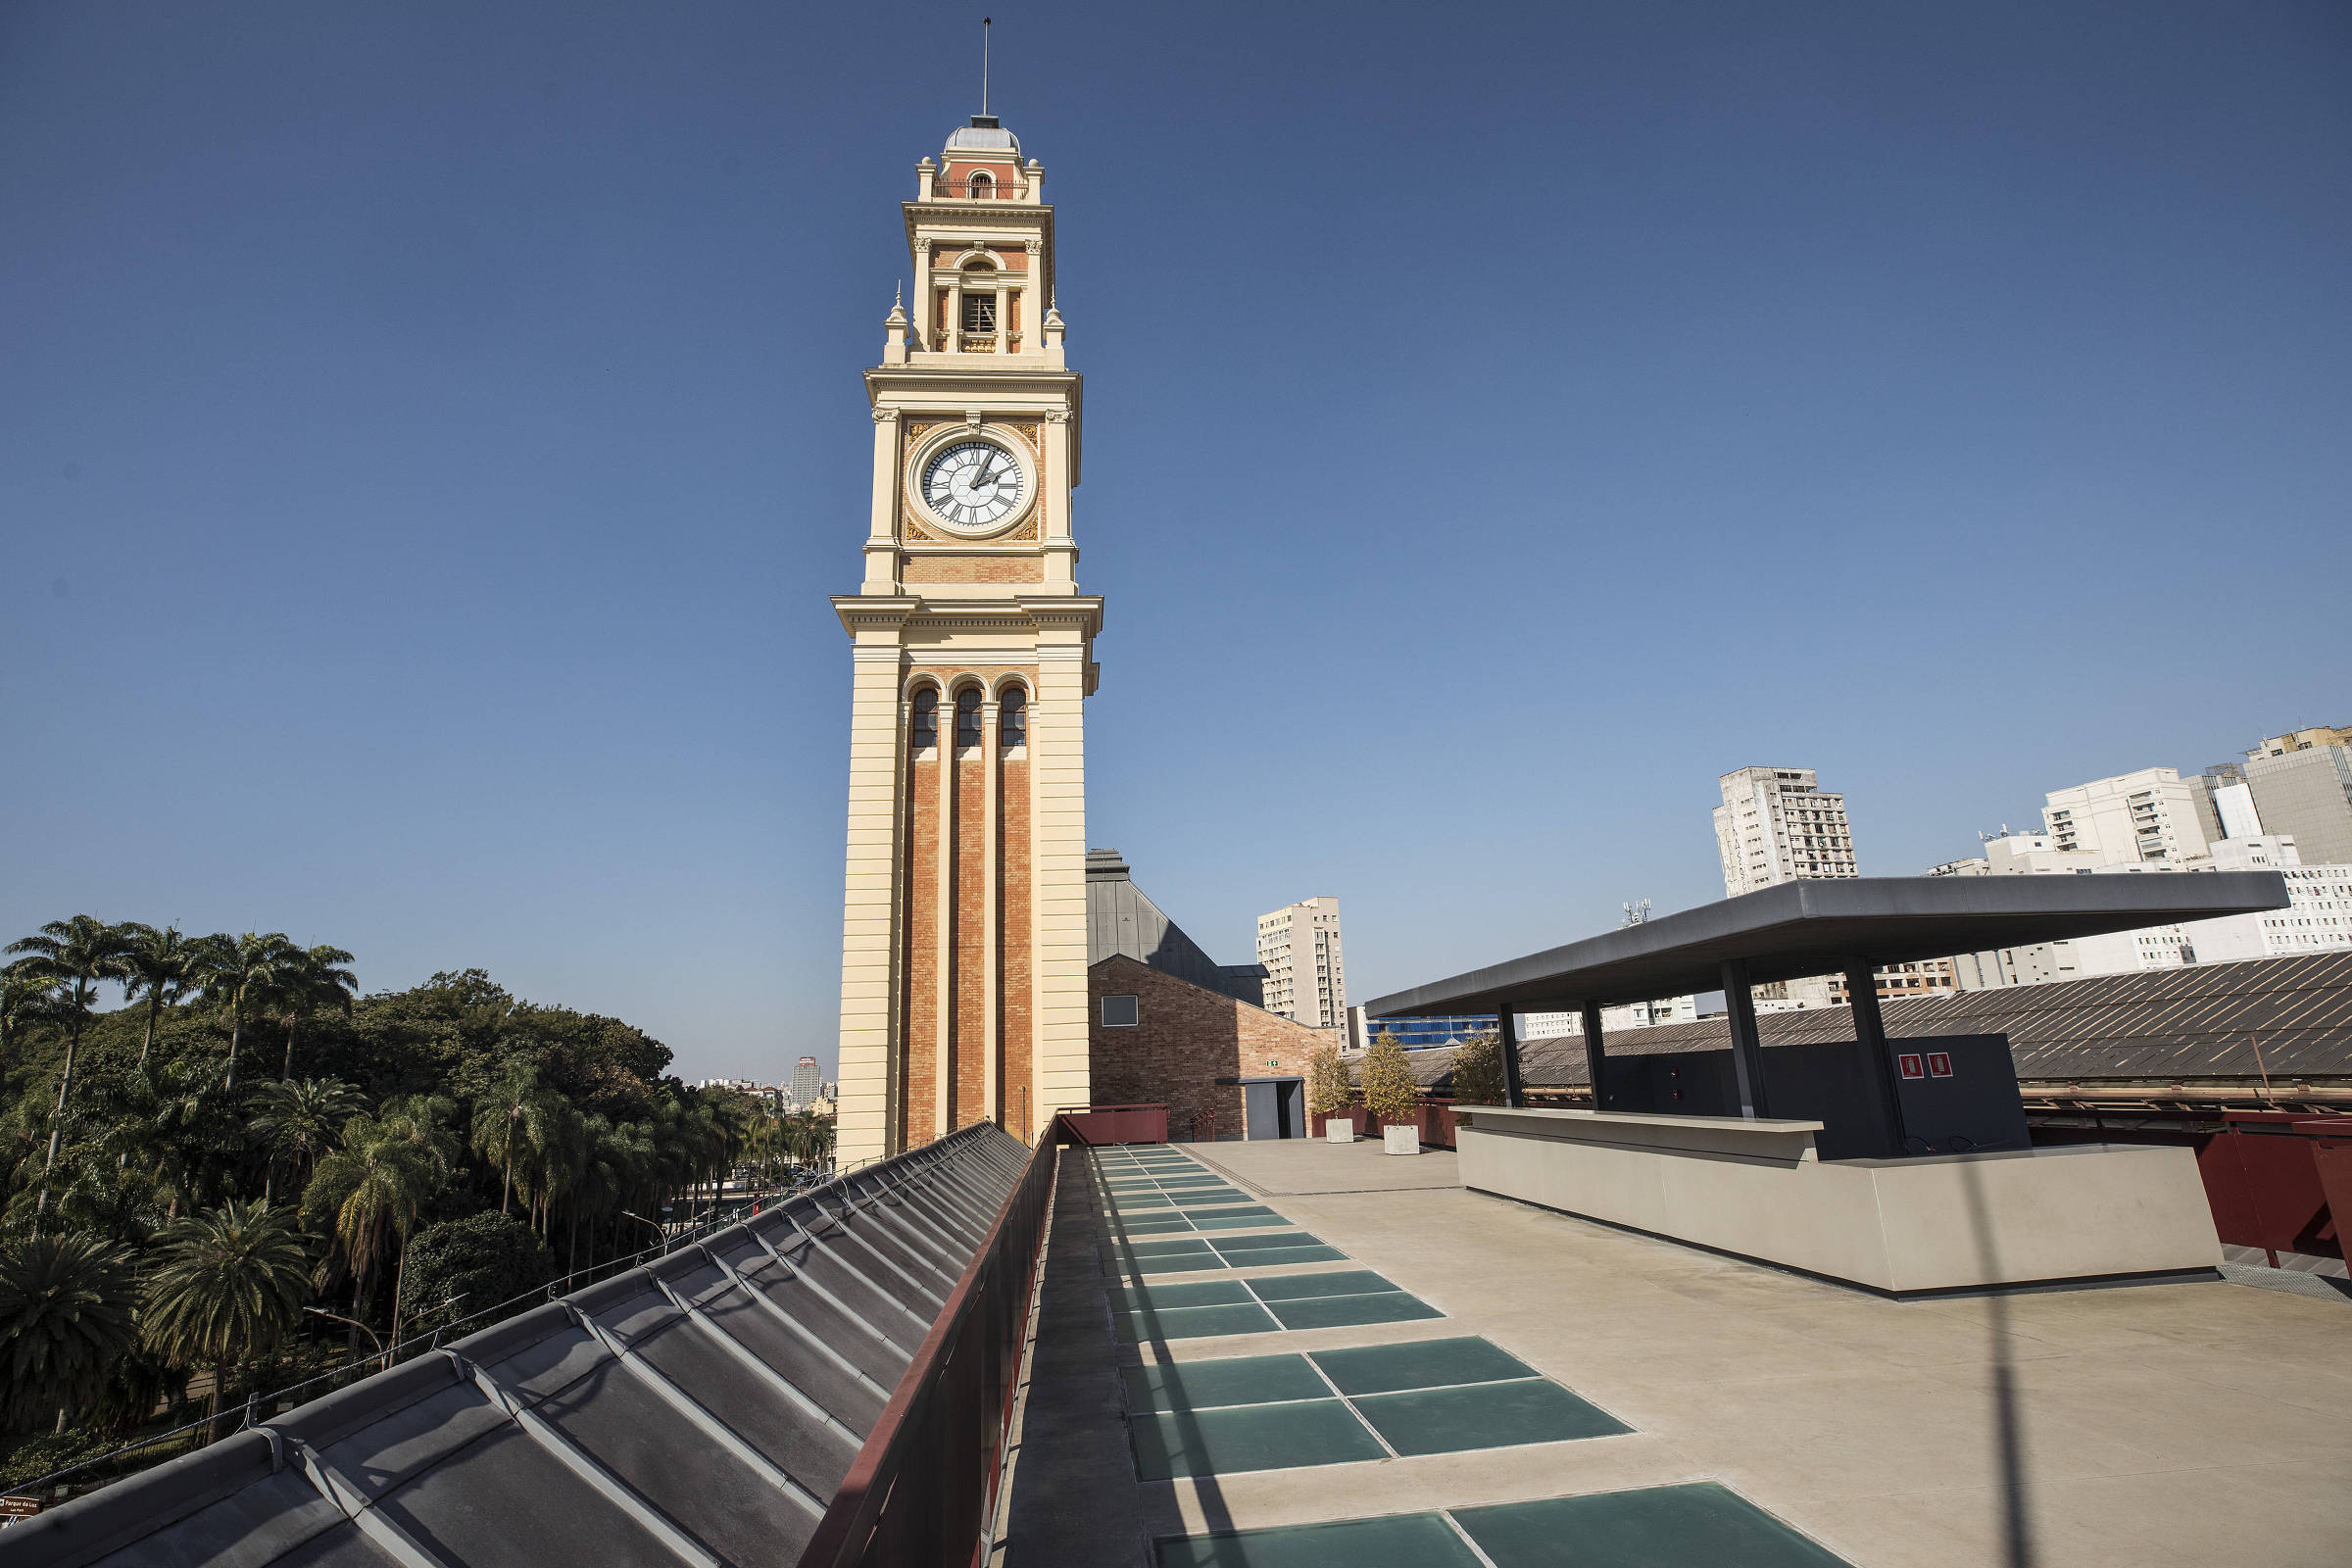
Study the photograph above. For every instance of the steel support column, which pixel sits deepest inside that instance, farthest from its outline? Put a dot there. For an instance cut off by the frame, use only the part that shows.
(1595, 1059)
(1506, 1029)
(1748, 1047)
(1877, 1062)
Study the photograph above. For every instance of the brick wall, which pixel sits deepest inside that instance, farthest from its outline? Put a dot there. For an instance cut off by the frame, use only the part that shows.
(919, 1088)
(1184, 1040)
(1016, 1036)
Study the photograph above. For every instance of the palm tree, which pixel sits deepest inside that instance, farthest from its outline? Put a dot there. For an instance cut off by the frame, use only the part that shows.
(158, 963)
(75, 956)
(26, 997)
(296, 1121)
(238, 976)
(368, 1193)
(313, 979)
(229, 1285)
(65, 1319)
(510, 1121)
(175, 1118)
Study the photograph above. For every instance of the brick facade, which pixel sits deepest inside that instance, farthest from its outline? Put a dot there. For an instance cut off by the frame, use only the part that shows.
(1185, 1037)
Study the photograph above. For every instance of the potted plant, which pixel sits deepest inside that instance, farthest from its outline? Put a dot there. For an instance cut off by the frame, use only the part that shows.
(1391, 1095)
(1329, 1093)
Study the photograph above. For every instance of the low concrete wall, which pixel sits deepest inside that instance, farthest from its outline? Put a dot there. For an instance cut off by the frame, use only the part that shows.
(1758, 1189)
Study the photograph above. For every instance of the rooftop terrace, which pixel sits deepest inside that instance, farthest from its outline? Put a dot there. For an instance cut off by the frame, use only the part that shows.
(1290, 1353)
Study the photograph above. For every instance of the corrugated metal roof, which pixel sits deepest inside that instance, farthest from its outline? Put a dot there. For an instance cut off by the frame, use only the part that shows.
(1120, 918)
(2286, 1017)
(701, 1410)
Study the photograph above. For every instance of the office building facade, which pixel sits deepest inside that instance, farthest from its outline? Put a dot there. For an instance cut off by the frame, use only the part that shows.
(1306, 978)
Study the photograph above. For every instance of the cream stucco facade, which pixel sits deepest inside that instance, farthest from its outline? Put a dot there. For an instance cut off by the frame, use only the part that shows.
(963, 919)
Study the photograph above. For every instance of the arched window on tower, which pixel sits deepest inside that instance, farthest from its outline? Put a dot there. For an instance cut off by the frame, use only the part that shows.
(983, 187)
(925, 731)
(967, 716)
(1013, 718)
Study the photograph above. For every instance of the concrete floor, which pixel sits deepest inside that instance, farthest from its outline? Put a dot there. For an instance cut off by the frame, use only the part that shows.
(2156, 1425)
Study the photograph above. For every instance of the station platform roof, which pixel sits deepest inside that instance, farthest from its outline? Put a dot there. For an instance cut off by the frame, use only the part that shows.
(1819, 927)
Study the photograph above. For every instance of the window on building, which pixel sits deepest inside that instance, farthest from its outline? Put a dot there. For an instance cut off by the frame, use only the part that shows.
(1013, 718)
(1121, 1012)
(967, 716)
(983, 187)
(926, 719)
(979, 312)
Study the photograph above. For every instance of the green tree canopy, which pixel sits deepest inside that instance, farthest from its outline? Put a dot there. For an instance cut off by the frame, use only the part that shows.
(458, 1267)
(1478, 1071)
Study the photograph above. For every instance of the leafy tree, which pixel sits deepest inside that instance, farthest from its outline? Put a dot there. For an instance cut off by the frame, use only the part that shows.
(230, 1284)
(239, 976)
(309, 980)
(175, 1121)
(1328, 1090)
(76, 955)
(296, 1120)
(1390, 1091)
(458, 1267)
(1478, 1071)
(66, 1304)
(158, 965)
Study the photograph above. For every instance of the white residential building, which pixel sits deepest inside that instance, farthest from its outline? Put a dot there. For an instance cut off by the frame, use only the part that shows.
(808, 1083)
(2318, 917)
(2132, 818)
(1633, 1015)
(1306, 981)
(1776, 825)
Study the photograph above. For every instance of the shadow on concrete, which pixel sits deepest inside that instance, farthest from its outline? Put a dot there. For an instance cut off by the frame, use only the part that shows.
(2008, 1421)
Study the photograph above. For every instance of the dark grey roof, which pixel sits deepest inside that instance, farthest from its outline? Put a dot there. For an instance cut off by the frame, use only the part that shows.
(701, 1410)
(2284, 1019)
(1121, 919)
(1817, 927)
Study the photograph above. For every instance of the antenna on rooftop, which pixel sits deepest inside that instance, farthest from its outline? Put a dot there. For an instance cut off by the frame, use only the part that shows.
(984, 26)
(1635, 913)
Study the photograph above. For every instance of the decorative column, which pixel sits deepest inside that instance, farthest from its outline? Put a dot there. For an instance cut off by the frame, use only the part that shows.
(942, 1081)
(990, 917)
(881, 543)
(871, 981)
(1033, 298)
(1053, 503)
(927, 300)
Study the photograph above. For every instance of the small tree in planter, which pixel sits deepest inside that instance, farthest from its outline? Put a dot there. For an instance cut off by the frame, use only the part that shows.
(1328, 1089)
(1478, 1071)
(1391, 1095)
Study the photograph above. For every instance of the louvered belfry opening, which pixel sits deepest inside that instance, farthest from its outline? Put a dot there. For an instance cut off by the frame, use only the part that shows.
(702, 1411)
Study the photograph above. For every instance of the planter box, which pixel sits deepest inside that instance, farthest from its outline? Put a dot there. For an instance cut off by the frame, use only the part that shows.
(1402, 1139)
(1339, 1130)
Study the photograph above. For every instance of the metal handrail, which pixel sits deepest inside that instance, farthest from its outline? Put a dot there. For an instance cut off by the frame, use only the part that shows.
(923, 1489)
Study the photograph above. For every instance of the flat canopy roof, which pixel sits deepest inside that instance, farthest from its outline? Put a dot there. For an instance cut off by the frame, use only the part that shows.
(1818, 927)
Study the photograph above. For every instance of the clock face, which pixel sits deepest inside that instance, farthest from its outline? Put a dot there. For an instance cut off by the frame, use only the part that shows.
(972, 484)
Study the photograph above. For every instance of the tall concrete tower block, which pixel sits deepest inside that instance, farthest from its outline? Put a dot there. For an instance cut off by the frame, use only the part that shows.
(963, 908)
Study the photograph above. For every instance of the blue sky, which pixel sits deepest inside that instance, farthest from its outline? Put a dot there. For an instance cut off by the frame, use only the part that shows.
(429, 435)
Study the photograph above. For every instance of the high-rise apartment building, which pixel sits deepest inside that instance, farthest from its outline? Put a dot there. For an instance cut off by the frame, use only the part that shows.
(2302, 787)
(2151, 815)
(1299, 947)
(1775, 825)
(808, 1083)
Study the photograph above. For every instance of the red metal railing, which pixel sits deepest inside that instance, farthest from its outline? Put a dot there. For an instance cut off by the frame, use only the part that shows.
(922, 1490)
(1433, 1118)
(1117, 1124)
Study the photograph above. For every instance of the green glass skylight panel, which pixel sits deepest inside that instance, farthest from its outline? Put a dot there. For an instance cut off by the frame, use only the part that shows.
(1485, 1415)
(1258, 1437)
(1337, 1311)
(1420, 1364)
(1229, 1380)
(1296, 1287)
(1657, 1526)
(1190, 1323)
(1403, 1541)
(1196, 1293)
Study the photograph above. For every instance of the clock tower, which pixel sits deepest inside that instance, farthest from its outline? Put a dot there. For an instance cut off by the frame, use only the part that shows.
(963, 921)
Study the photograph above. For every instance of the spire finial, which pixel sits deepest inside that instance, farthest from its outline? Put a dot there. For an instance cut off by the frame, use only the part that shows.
(898, 296)
(985, 23)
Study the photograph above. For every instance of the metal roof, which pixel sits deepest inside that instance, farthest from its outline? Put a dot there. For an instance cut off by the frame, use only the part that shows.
(701, 1410)
(1817, 927)
(2281, 1018)
(1121, 918)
